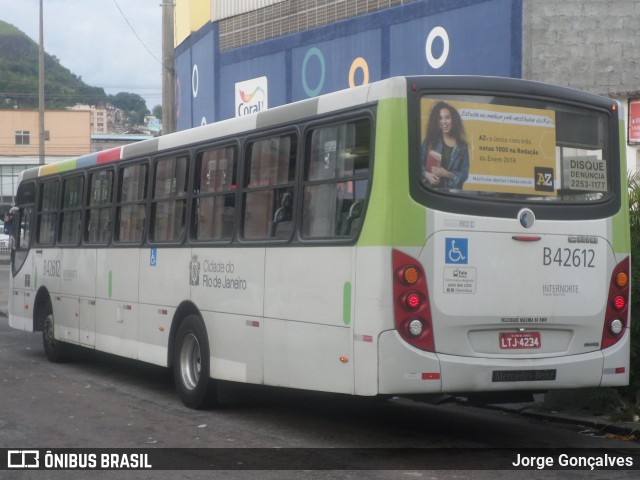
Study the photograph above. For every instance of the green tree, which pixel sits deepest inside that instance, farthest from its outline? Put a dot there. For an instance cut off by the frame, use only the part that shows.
(19, 76)
(131, 103)
(634, 219)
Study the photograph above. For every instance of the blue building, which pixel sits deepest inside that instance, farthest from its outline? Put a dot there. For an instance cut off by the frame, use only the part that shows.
(252, 55)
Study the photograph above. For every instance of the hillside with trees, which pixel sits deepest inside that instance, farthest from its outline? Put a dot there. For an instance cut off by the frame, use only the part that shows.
(19, 80)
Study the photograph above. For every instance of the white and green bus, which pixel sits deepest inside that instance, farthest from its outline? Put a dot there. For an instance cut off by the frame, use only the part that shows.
(417, 235)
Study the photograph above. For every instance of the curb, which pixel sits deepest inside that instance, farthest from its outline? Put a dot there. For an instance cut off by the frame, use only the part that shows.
(601, 425)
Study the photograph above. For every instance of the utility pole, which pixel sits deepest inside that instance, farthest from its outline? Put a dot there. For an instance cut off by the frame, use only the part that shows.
(41, 133)
(168, 70)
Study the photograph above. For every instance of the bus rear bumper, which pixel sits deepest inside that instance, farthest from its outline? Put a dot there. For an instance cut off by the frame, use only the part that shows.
(406, 370)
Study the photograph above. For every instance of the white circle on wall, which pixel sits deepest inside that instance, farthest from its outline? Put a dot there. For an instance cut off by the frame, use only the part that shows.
(194, 81)
(437, 32)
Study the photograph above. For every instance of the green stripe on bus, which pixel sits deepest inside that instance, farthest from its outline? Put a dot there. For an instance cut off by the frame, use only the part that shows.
(393, 217)
(620, 221)
(59, 167)
(346, 303)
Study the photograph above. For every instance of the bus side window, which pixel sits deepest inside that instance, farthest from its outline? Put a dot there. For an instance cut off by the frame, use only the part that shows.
(24, 218)
(98, 225)
(48, 212)
(214, 203)
(131, 208)
(71, 216)
(7, 224)
(336, 179)
(269, 199)
(21, 217)
(169, 202)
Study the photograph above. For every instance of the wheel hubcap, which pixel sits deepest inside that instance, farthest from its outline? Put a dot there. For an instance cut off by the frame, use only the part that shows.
(190, 361)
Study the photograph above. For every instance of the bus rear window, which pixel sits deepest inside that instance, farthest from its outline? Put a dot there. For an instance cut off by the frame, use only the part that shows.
(502, 148)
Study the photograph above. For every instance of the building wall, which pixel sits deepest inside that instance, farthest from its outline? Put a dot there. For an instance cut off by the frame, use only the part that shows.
(222, 9)
(99, 123)
(591, 45)
(191, 15)
(283, 17)
(69, 133)
(69, 136)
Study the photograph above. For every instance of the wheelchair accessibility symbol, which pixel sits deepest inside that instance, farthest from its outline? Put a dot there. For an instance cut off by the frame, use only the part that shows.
(456, 251)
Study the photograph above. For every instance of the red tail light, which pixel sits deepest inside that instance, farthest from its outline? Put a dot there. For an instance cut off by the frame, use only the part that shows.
(619, 303)
(615, 321)
(411, 302)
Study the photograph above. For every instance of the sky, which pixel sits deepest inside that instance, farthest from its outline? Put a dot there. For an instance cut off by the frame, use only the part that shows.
(94, 40)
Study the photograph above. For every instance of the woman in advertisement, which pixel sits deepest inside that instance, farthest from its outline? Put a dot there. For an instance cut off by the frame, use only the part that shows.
(444, 151)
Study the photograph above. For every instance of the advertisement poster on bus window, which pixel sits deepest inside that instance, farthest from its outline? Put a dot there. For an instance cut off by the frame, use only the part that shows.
(488, 148)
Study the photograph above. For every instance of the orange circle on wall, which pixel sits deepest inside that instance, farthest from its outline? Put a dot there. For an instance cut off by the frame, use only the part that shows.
(359, 63)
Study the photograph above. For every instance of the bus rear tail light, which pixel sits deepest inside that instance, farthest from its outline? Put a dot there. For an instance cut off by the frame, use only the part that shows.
(411, 302)
(615, 321)
(619, 303)
(616, 326)
(622, 279)
(409, 275)
(416, 327)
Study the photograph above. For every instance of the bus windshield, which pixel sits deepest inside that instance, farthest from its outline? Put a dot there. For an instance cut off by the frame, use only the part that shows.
(505, 148)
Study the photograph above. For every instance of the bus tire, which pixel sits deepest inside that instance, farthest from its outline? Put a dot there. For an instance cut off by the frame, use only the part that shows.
(54, 350)
(191, 364)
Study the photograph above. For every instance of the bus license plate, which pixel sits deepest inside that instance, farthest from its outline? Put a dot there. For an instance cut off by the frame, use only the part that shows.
(516, 340)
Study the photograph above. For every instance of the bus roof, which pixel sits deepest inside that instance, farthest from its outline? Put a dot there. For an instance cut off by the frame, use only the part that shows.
(360, 95)
(394, 87)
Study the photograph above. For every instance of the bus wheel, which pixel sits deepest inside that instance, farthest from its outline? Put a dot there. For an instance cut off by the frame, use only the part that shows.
(191, 364)
(53, 349)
